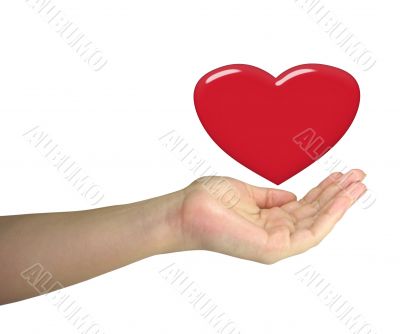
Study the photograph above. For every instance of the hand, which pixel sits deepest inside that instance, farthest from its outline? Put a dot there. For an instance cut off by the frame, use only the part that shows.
(265, 225)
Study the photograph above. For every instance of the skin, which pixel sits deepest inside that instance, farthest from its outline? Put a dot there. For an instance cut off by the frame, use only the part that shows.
(262, 224)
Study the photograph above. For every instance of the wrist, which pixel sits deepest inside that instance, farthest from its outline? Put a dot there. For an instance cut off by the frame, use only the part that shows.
(159, 220)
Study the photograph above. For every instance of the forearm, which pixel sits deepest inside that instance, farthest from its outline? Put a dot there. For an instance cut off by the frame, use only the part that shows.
(76, 246)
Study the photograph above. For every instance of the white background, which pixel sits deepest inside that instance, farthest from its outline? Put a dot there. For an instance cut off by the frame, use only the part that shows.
(110, 121)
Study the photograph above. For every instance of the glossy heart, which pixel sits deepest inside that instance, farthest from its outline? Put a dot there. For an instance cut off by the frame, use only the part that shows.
(276, 126)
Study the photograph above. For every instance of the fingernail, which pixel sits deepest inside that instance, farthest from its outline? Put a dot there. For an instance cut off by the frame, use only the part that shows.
(363, 174)
(356, 190)
(344, 179)
(350, 177)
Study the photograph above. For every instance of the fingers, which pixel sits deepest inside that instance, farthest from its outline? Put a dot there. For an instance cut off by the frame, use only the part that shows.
(268, 197)
(336, 209)
(313, 194)
(354, 175)
(299, 209)
(310, 221)
(311, 235)
(344, 200)
(309, 205)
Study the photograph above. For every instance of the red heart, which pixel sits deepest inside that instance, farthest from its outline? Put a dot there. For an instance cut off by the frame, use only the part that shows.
(276, 126)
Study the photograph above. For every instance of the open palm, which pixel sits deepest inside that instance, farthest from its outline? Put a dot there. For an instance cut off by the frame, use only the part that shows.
(265, 225)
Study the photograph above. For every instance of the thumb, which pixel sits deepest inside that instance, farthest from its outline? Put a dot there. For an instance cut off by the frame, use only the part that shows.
(270, 197)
